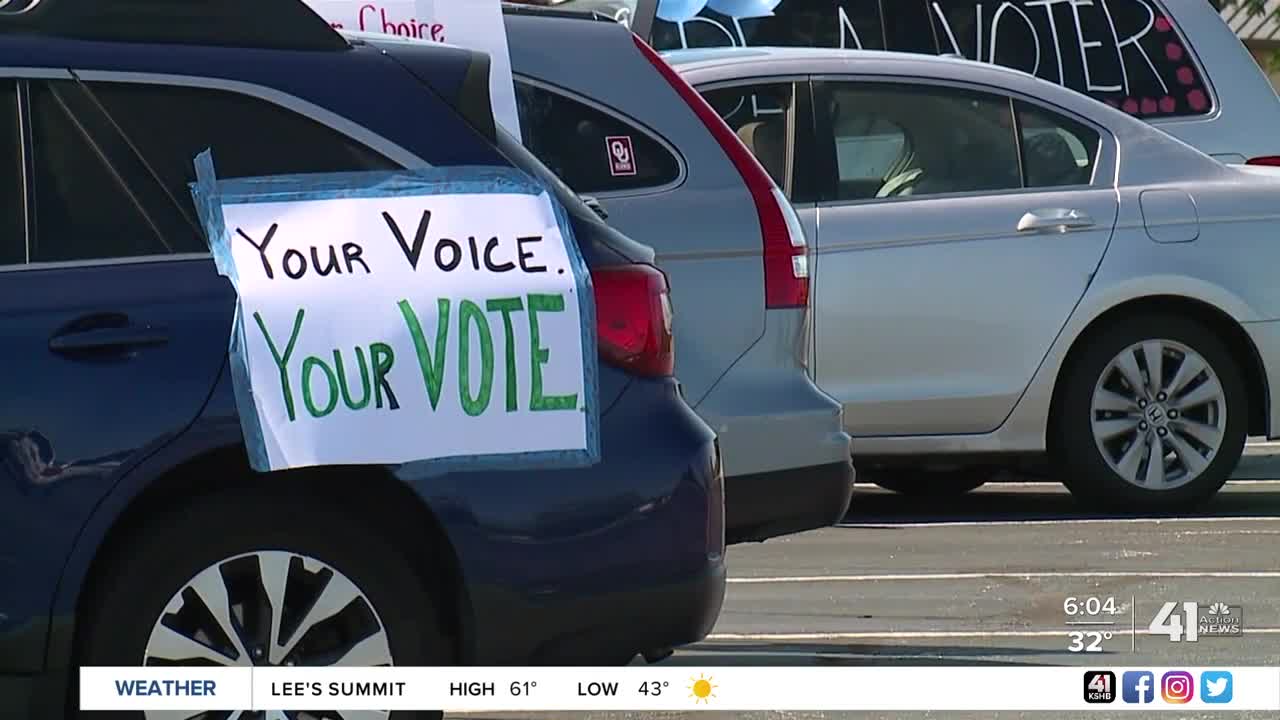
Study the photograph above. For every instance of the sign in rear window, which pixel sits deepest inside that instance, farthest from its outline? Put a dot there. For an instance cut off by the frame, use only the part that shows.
(1127, 53)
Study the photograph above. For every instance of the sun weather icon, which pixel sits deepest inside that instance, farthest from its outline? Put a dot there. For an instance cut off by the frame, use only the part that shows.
(1219, 608)
(702, 689)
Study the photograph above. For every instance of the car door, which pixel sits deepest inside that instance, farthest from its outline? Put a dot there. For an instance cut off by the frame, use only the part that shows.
(111, 343)
(956, 232)
(115, 322)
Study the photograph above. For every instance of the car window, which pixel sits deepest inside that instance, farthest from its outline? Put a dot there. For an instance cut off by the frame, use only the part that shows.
(250, 137)
(1056, 151)
(1128, 54)
(897, 141)
(591, 150)
(83, 209)
(760, 115)
(751, 23)
(13, 240)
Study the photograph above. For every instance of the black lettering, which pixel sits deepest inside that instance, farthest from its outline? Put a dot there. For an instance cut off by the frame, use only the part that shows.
(331, 266)
(411, 254)
(352, 252)
(382, 357)
(455, 249)
(488, 258)
(475, 254)
(262, 249)
(526, 255)
(302, 264)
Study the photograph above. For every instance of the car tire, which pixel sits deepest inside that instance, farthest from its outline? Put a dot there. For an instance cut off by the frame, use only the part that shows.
(1092, 406)
(311, 546)
(931, 484)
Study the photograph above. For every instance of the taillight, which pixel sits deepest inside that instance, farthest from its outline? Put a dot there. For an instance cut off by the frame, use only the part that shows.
(786, 269)
(1272, 160)
(633, 319)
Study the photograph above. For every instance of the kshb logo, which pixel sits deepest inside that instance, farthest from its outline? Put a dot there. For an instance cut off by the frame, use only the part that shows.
(1185, 621)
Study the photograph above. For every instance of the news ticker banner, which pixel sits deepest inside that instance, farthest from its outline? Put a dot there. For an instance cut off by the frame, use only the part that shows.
(679, 688)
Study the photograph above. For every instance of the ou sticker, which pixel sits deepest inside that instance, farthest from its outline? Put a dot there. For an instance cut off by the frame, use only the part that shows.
(622, 157)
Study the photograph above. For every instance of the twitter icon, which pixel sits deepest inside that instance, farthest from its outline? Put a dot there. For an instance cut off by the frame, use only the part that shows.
(1215, 686)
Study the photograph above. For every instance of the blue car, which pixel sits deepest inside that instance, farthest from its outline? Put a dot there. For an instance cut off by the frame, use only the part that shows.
(132, 529)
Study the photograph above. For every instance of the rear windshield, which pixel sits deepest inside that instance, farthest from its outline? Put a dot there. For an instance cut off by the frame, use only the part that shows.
(620, 10)
(1127, 53)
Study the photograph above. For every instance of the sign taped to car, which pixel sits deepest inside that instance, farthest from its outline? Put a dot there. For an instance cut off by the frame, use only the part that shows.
(442, 315)
(473, 24)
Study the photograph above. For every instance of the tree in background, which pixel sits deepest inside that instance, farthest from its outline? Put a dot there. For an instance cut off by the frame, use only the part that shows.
(1254, 8)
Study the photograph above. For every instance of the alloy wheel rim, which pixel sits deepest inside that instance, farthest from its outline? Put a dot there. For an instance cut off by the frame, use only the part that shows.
(1159, 414)
(269, 608)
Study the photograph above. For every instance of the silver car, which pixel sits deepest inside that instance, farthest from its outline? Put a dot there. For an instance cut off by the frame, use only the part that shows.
(1173, 63)
(614, 122)
(1004, 267)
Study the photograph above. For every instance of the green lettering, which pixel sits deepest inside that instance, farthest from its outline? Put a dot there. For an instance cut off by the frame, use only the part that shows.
(307, 366)
(382, 357)
(469, 313)
(539, 357)
(281, 362)
(432, 369)
(506, 306)
(342, 378)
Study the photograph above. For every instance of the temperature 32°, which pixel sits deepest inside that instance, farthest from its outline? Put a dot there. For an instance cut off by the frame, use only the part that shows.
(1088, 640)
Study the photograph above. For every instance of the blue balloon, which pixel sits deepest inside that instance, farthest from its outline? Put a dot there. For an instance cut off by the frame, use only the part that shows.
(744, 8)
(680, 10)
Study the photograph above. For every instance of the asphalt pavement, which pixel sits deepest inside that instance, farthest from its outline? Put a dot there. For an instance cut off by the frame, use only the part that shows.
(982, 580)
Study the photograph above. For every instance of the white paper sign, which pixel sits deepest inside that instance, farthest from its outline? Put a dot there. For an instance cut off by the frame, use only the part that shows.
(471, 24)
(390, 329)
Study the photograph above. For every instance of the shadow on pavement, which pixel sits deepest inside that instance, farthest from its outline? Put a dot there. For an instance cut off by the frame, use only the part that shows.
(791, 654)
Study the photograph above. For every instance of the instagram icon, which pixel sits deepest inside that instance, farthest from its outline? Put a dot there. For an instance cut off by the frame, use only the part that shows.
(1177, 687)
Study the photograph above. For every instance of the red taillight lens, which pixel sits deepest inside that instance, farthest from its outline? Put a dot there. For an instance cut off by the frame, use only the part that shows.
(1272, 160)
(786, 269)
(633, 319)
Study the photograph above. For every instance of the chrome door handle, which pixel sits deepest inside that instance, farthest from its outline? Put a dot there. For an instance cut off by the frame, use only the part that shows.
(1056, 219)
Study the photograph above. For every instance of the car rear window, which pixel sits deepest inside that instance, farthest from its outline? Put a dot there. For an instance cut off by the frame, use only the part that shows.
(759, 23)
(593, 151)
(1127, 53)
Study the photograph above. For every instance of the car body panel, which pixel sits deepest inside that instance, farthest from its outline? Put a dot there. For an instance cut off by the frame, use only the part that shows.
(558, 551)
(1236, 214)
(709, 187)
(742, 366)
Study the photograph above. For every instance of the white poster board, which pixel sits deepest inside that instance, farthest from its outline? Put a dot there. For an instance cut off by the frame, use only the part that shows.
(471, 24)
(387, 318)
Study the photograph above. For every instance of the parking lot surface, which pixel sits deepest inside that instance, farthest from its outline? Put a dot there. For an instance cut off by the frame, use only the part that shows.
(981, 580)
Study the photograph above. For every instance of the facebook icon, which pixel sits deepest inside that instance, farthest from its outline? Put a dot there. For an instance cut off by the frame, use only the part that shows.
(1138, 687)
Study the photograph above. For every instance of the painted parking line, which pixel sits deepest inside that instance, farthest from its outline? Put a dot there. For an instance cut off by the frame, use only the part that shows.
(922, 635)
(1061, 521)
(908, 577)
(1044, 484)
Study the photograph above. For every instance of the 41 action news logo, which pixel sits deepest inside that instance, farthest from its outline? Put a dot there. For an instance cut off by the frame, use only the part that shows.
(1187, 621)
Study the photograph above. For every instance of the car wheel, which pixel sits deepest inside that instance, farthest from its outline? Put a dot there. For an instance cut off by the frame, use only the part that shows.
(263, 578)
(927, 483)
(1152, 417)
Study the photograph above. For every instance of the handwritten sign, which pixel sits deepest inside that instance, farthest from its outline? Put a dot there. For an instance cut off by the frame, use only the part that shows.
(1124, 52)
(471, 24)
(440, 315)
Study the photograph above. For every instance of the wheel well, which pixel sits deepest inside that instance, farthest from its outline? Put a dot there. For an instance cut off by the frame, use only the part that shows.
(385, 502)
(1215, 320)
